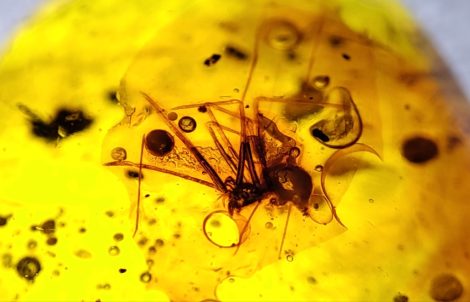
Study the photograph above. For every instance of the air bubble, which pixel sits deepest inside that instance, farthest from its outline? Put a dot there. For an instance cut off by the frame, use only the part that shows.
(371, 200)
(446, 287)
(321, 82)
(268, 225)
(283, 35)
(32, 244)
(294, 152)
(172, 116)
(290, 258)
(159, 142)
(319, 168)
(114, 250)
(28, 268)
(187, 124)
(146, 277)
(119, 153)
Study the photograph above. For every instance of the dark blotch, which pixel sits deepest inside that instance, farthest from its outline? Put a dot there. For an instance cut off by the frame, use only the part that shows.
(202, 109)
(236, 53)
(346, 56)
(187, 124)
(28, 268)
(112, 96)
(65, 123)
(51, 241)
(47, 227)
(419, 149)
(317, 133)
(159, 142)
(212, 60)
(336, 41)
(400, 298)
(4, 220)
(122, 270)
(134, 174)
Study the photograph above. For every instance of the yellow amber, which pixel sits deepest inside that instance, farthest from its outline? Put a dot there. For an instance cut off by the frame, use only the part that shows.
(121, 154)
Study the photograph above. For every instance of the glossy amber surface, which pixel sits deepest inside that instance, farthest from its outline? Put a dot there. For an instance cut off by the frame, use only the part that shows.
(277, 150)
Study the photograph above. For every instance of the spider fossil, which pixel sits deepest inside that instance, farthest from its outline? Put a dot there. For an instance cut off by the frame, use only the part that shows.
(253, 159)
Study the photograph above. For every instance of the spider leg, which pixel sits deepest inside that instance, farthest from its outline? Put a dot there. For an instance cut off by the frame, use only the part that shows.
(192, 148)
(285, 230)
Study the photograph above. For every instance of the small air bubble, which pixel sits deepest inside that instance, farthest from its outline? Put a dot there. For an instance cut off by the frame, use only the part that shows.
(319, 168)
(446, 287)
(290, 258)
(146, 277)
(187, 124)
(321, 82)
(283, 35)
(7, 260)
(172, 116)
(32, 244)
(294, 152)
(119, 153)
(28, 268)
(371, 200)
(114, 250)
(268, 225)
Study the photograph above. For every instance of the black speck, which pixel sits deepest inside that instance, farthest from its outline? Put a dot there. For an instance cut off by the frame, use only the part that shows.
(317, 133)
(134, 174)
(65, 123)
(82, 230)
(212, 60)
(346, 56)
(160, 199)
(235, 53)
(419, 149)
(111, 95)
(336, 41)
(202, 109)
(122, 270)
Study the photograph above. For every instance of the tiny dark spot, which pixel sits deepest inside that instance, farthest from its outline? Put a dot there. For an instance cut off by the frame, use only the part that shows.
(111, 95)
(407, 107)
(400, 298)
(28, 268)
(152, 250)
(312, 280)
(143, 241)
(134, 174)
(159, 242)
(212, 59)
(317, 133)
(109, 213)
(446, 287)
(202, 109)
(235, 52)
(118, 236)
(419, 149)
(32, 244)
(65, 123)
(147, 195)
(336, 41)
(122, 270)
(453, 141)
(82, 230)
(160, 199)
(177, 236)
(346, 56)
(51, 241)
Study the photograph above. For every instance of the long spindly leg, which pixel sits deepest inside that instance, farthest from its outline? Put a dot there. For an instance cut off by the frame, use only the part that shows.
(220, 185)
(137, 215)
(284, 233)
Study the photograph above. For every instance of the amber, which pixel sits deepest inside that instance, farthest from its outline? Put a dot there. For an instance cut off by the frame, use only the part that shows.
(250, 150)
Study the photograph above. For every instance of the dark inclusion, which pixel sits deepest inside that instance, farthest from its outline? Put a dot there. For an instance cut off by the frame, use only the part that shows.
(317, 133)
(419, 149)
(159, 142)
(65, 123)
(134, 174)
(212, 60)
(236, 53)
